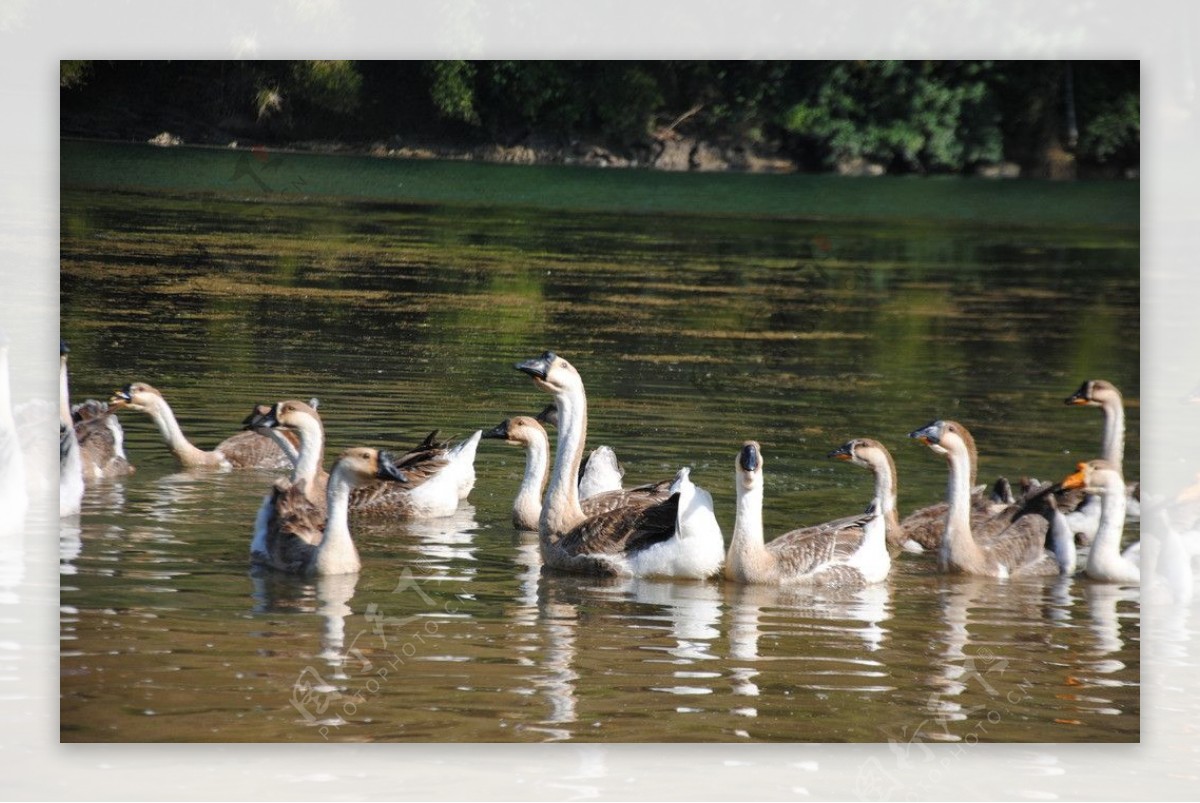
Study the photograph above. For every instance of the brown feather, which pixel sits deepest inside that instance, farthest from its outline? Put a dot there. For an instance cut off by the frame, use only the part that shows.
(623, 530)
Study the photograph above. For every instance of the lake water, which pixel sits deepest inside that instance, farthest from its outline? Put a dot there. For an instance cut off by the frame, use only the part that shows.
(701, 311)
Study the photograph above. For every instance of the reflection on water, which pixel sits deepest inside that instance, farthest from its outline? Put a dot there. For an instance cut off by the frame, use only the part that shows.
(692, 334)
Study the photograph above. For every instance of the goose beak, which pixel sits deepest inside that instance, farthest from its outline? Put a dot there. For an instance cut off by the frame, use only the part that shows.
(1076, 480)
(63, 348)
(388, 470)
(749, 459)
(538, 368)
(928, 434)
(263, 417)
(121, 397)
(500, 431)
(843, 452)
(1079, 397)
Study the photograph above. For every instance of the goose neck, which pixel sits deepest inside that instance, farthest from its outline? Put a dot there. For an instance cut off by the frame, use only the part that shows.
(337, 553)
(183, 449)
(64, 395)
(958, 545)
(1107, 544)
(562, 512)
(527, 508)
(746, 547)
(1112, 445)
(312, 448)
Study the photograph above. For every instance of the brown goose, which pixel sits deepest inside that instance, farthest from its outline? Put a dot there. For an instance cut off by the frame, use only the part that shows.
(312, 541)
(874, 456)
(97, 432)
(1018, 548)
(676, 537)
(846, 552)
(527, 507)
(243, 450)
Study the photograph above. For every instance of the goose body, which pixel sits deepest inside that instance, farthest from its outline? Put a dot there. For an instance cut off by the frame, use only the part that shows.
(673, 537)
(846, 552)
(1083, 515)
(243, 450)
(101, 441)
(1106, 562)
(599, 472)
(1014, 546)
(311, 542)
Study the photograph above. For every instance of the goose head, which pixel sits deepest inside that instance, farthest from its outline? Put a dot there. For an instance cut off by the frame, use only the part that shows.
(548, 415)
(516, 431)
(552, 373)
(858, 451)
(136, 396)
(944, 436)
(1098, 477)
(360, 465)
(291, 414)
(748, 467)
(1094, 393)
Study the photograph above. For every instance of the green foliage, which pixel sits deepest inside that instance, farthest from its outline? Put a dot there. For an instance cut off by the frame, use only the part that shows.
(331, 86)
(1115, 127)
(910, 115)
(452, 90)
(72, 74)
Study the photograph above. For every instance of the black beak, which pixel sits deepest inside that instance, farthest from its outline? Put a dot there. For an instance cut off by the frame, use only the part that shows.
(500, 431)
(548, 415)
(927, 434)
(843, 452)
(749, 458)
(63, 348)
(1078, 397)
(125, 394)
(263, 417)
(539, 367)
(388, 469)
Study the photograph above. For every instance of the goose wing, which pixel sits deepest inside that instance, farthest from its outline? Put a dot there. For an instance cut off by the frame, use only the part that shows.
(641, 496)
(422, 463)
(625, 529)
(807, 549)
(101, 440)
(1016, 537)
(294, 529)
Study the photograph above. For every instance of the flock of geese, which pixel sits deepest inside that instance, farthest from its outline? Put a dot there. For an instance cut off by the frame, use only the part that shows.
(589, 524)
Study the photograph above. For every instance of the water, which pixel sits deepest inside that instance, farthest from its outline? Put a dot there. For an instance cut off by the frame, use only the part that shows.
(692, 333)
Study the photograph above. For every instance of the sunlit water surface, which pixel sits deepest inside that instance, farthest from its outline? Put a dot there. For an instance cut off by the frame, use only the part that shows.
(692, 333)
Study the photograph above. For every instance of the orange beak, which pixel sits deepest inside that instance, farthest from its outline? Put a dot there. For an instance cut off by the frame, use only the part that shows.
(1076, 480)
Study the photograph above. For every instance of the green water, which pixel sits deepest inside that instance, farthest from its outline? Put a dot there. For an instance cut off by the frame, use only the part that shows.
(798, 311)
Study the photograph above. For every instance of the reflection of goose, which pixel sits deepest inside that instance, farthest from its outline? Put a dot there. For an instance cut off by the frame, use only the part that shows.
(334, 593)
(243, 450)
(1105, 560)
(14, 499)
(527, 507)
(1102, 599)
(1017, 549)
(299, 545)
(1084, 518)
(600, 471)
(676, 537)
(846, 552)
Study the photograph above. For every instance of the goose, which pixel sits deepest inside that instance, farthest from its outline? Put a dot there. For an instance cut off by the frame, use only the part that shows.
(527, 507)
(243, 450)
(675, 537)
(98, 434)
(70, 463)
(600, 471)
(874, 456)
(436, 472)
(1105, 562)
(1016, 548)
(1084, 516)
(14, 498)
(846, 552)
(312, 541)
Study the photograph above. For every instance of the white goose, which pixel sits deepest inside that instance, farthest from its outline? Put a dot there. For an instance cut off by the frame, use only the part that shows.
(1105, 561)
(524, 431)
(676, 537)
(847, 552)
(1016, 549)
(1084, 519)
(243, 450)
(312, 542)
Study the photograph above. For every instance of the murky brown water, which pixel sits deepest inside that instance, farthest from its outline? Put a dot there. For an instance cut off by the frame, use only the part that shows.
(692, 334)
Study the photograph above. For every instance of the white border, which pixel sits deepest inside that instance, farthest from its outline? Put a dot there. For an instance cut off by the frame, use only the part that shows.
(33, 36)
